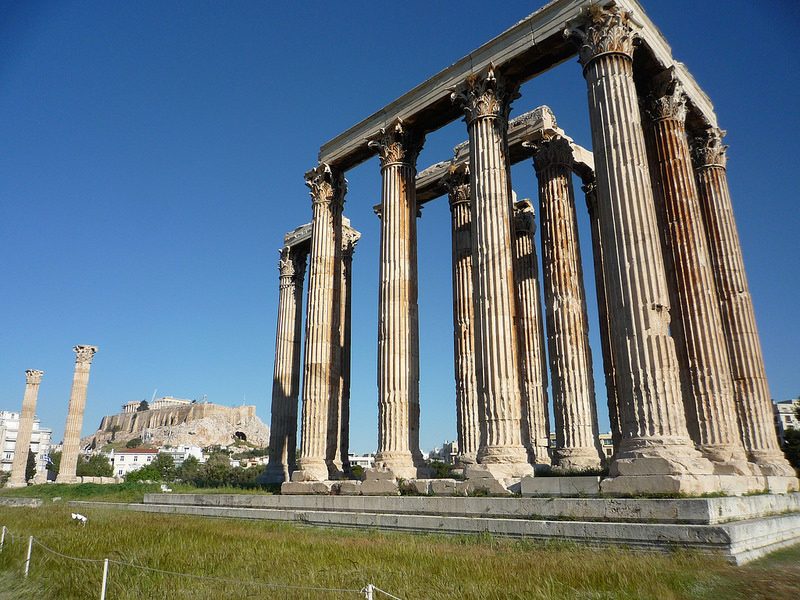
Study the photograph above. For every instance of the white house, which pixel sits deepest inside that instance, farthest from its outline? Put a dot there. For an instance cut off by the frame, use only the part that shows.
(129, 459)
(786, 416)
(40, 442)
(365, 461)
(181, 453)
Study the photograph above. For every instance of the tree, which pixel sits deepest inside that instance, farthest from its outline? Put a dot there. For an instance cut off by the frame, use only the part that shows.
(96, 465)
(30, 467)
(133, 442)
(791, 446)
(143, 405)
(189, 469)
(162, 468)
(54, 463)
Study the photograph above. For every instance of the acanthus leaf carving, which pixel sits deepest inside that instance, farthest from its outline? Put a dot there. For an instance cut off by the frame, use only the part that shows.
(326, 185)
(550, 152)
(708, 149)
(84, 354)
(397, 143)
(456, 180)
(667, 100)
(33, 376)
(603, 30)
(486, 94)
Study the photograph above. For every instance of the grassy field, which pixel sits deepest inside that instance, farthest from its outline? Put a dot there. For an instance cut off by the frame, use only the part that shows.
(245, 555)
(120, 492)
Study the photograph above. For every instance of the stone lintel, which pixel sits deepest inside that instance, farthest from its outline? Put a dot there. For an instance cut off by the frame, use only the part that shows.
(537, 124)
(530, 47)
(300, 236)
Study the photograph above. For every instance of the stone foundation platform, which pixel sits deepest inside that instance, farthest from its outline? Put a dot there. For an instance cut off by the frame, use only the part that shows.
(740, 528)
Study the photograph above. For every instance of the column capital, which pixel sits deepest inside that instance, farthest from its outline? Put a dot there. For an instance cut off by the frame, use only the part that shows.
(708, 150)
(84, 354)
(350, 239)
(603, 30)
(327, 186)
(456, 180)
(291, 266)
(32, 376)
(524, 217)
(551, 152)
(397, 144)
(667, 99)
(487, 94)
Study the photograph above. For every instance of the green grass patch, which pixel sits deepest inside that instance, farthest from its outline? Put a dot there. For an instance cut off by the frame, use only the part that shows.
(244, 555)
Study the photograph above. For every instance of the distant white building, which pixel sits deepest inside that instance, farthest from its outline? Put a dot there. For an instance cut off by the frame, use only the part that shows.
(40, 442)
(365, 461)
(446, 454)
(786, 416)
(181, 453)
(129, 459)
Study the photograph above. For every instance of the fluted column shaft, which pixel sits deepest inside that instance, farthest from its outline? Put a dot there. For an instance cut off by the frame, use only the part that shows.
(398, 327)
(25, 429)
(654, 423)
(530, 329)
(751, 391)
(486, 99)
(467, 409)
(286, 374)
(609, 371)
(577, 441)
(77, 404)
(320, 369)
(697, 326)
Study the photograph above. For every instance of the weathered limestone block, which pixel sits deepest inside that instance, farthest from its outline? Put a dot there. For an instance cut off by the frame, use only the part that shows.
(398, 319)
(379, 487)
(486, 99)
(446, 487)
(307, 487)
(420, 487)
(349, 488)
(561, 486)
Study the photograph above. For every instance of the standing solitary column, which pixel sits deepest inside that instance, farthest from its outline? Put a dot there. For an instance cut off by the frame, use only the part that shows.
(398, 328)
(531, 335)
(751, 392)
(590, 189)
(342, 460)
(320, 374)
(26, 415)
(577, 441)
(697, 326)
(486, 98)
(77, 404)
(653, 420)
(467, 409)
(286, 378)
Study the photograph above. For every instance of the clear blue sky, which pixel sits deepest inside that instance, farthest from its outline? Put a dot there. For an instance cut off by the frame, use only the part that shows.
(153, 157)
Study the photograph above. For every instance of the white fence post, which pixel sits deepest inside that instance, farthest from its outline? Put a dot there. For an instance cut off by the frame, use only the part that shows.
(105, 580)
(28, 558)
(368, 591)
(3, 538)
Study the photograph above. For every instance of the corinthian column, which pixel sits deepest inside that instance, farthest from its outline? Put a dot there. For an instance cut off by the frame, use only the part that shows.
(23, 444)
(77, 404)
(751, 392)
(486, 99)
(341, 459)
(398, 327)
(609, 371)
(656, 453)
(467, 409)
(286, 377)
(536, 417)
(577, 441)
(320, 367)
(697, 326)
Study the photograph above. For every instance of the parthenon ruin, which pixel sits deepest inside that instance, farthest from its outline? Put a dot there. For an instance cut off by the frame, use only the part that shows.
(686, 389)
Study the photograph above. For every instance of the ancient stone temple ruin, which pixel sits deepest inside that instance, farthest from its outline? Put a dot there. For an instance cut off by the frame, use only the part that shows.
(686, 388)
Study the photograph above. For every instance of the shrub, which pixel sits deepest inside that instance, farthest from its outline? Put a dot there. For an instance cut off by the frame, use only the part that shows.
(96, 465)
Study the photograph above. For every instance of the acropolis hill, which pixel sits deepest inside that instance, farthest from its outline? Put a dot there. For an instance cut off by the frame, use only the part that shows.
(177, 421)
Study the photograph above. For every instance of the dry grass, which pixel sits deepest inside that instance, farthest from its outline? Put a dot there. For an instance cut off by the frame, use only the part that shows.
(409, 566)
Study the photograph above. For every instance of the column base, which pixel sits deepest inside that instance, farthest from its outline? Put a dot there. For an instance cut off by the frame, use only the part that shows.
(576, 459)
(464, 460)
(504, 462)
(541, 455)
(274, 474)
(400, 464)
(15, 484)
(772, 463)
(66, 479)
(728, 460)
(779, 484)
(310, 470)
